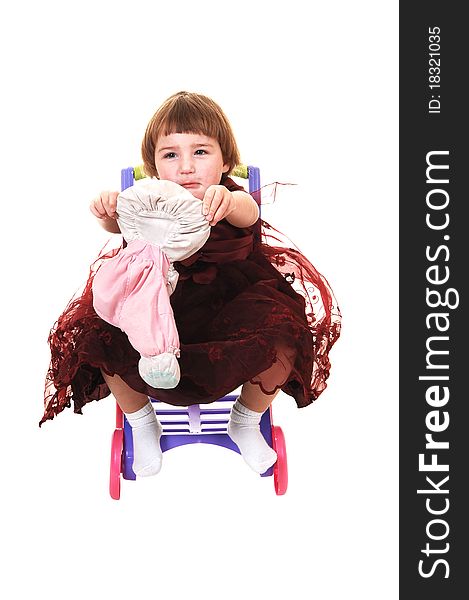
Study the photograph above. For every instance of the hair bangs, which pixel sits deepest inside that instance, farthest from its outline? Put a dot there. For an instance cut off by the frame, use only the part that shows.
(182, 117)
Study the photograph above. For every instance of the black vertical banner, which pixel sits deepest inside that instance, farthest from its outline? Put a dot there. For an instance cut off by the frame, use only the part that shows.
(434, 340)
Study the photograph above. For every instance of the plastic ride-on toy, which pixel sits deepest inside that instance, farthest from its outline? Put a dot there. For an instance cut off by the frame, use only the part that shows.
(193, 424)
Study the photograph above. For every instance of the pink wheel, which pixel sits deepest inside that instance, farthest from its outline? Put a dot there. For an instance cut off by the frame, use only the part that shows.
(116, 464)
(280, 467)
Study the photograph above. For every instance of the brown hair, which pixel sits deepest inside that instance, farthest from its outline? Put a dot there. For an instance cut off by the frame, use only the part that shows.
(187, 112)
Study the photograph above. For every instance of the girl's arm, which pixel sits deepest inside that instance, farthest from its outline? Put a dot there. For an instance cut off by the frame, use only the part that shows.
(246, 212)
(109, 224)
(238, 207)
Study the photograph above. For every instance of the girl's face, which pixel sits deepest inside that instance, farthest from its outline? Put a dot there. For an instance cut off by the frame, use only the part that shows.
(192, 160)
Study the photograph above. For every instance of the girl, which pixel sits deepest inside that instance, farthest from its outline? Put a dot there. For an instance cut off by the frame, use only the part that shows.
(250, 311)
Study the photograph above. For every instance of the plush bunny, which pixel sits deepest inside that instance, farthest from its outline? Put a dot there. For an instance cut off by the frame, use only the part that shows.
(161, 222)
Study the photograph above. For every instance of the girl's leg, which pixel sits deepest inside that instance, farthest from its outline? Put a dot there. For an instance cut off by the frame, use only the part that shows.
(244, 425)
(253, 398)
(146, 430)
(128, 399)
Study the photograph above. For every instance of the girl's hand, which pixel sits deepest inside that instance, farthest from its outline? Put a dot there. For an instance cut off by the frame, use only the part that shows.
(104, 206)
(218, 202)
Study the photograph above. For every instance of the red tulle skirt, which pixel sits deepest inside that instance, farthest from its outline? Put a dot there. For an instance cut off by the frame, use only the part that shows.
(249, 307)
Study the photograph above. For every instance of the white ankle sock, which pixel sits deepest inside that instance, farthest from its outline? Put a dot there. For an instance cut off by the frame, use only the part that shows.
(244, 430)
(146, 433)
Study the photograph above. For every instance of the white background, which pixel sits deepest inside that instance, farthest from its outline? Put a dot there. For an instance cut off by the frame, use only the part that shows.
(312, 97)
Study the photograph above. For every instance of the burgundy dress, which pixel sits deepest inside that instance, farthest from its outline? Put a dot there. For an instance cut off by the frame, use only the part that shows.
(248, 307)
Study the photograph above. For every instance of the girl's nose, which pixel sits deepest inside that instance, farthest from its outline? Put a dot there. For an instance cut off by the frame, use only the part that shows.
(186, 164)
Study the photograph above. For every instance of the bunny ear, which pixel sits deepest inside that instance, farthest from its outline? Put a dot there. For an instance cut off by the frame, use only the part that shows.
(165, 214)
(130, 292)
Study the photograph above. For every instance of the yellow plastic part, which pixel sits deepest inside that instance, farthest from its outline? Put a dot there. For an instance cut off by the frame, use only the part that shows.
(240, 171)
(139, 173)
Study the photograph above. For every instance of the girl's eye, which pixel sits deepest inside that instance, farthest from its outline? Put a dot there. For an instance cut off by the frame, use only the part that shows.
(200, 152)
(169, 155)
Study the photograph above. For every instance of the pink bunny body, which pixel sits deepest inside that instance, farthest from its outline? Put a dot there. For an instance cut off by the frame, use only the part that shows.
(161, 222)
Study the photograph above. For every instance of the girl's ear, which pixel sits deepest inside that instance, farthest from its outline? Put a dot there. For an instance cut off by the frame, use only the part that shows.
(226, 168)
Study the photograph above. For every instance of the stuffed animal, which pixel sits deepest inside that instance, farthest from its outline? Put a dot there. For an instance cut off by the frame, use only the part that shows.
(161, 222)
